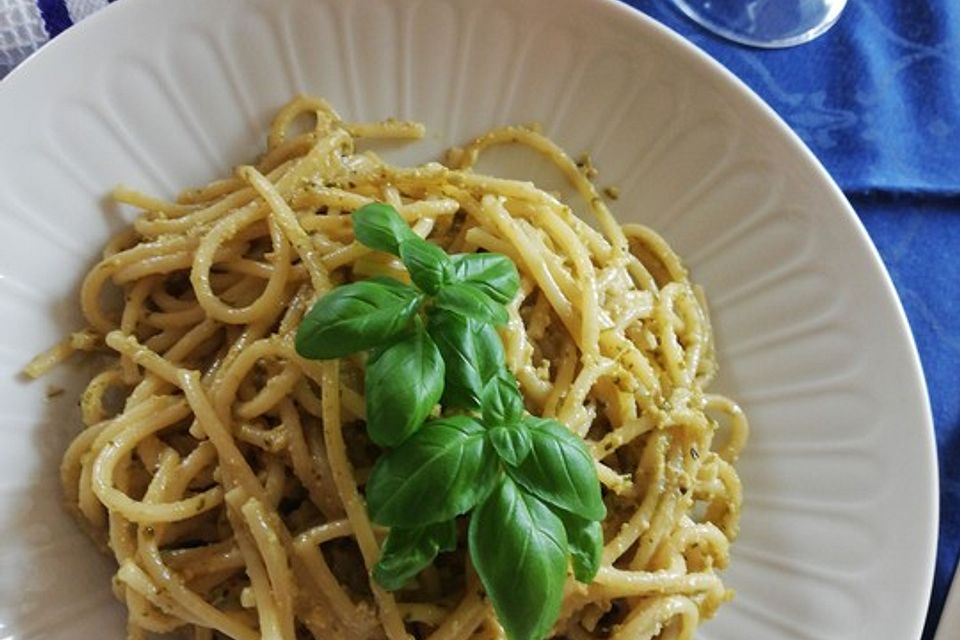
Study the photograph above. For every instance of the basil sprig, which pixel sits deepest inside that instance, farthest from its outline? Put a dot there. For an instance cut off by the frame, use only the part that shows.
(527, 484)
(378, 226)
(441, 472)
(492, 273)
(472, 354)
(357, 317)
(519, 548)
(407, 551)
(403, 383)
(409, 329)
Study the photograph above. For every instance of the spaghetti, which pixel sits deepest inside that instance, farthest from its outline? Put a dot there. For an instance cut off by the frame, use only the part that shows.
(225, 473)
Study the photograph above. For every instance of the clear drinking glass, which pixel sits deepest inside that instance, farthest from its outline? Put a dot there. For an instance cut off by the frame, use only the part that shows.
(765, 23)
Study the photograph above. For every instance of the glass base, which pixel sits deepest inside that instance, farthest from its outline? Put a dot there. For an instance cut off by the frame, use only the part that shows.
(764, 23)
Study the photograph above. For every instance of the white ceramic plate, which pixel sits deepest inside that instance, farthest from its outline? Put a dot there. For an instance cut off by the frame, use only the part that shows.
(840, 475)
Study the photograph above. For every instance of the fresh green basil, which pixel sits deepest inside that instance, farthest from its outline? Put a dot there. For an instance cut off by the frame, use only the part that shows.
(501, 399)
(470, 301)
(380, 227)
(403, 383)
(428, 264)
(560, 470)
(406, 552)
(585, 539)
(519, 549)
(472, 352)
(441, 471)
(492, 273)
(529, 484)
(355, 317)
(512, 443)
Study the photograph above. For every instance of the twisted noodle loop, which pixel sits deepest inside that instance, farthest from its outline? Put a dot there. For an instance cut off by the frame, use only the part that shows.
(226, 473)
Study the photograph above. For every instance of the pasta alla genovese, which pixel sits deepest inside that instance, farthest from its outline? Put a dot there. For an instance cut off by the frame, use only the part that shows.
(226, 474)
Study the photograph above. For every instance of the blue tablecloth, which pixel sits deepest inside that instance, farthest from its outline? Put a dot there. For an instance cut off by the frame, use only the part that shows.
(877, 98)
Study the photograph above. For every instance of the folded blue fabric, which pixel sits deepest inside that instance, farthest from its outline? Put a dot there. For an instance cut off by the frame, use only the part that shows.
(877, 97)
(25, 25)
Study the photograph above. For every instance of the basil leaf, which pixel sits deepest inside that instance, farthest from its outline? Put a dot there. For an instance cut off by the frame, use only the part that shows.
(428, 264)
(471, 302)
(403, 383)
(560, 470)
(406, 552)
(519, 549)
(472, 352)
(493, 273)
(355, 317)
(443, 470)
(501, 399)
(379, 226)
(512, 443)
(585, 539)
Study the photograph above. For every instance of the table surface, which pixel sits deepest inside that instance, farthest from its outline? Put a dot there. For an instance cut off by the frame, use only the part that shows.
(877, 99)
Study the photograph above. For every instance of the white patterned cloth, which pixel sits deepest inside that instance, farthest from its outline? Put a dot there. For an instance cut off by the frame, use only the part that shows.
(25, 25)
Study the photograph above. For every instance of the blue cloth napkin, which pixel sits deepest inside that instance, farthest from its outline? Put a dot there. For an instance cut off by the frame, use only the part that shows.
(25, 25)
(877, 99)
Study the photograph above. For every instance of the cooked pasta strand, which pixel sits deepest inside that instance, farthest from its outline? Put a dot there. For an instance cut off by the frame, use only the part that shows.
(225, 473)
